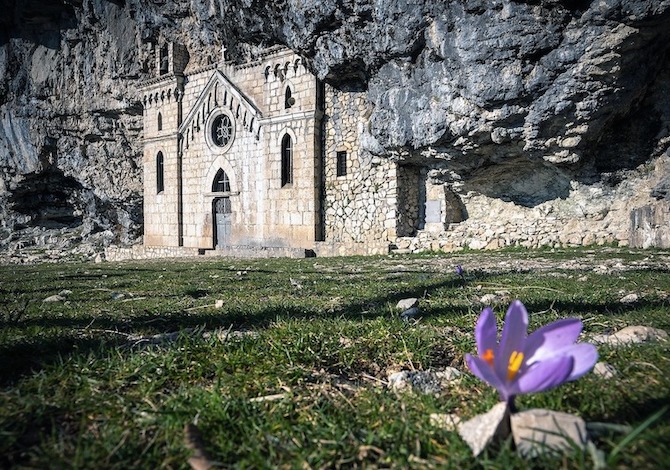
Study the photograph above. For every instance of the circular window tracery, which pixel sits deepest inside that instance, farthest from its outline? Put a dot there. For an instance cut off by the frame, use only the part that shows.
(222, 130)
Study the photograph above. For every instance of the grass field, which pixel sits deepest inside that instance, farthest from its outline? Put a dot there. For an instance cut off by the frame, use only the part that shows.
(283, 363)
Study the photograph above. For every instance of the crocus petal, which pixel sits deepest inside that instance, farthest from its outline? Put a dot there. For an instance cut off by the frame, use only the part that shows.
(486, 331)
(584, 355)
(546, 341)
(544, 375)
(485, 372)
(513, 336)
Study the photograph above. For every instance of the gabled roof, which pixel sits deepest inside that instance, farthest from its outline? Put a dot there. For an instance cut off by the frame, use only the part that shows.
(234, 97)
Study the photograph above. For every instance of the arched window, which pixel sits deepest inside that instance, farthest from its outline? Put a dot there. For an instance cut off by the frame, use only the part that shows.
(286, 160)
(288, 99)
(221, 182)
(160, 122)
(160, 170)
(164, 61)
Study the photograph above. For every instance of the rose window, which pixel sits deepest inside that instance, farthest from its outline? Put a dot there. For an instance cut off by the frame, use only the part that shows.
(222, 130)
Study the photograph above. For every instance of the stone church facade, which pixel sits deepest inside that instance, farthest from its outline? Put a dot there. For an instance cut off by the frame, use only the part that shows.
(259, 158)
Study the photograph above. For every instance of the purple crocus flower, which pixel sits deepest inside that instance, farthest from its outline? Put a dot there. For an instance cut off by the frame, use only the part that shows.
(522, 363)
(459, 270)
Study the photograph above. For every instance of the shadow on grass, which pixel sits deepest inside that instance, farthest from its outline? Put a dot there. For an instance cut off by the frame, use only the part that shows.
(26, 357)
(256, 315)
(638, 411)
(92, 333)
(64, 335)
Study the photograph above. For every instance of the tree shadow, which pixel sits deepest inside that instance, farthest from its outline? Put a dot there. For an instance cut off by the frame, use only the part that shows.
(96, 332)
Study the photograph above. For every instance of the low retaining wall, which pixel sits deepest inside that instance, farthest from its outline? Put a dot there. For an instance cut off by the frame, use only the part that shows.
(140, 252)
(116, 253)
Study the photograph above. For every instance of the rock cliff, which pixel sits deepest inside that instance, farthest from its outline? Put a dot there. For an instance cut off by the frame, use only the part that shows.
(521, 102)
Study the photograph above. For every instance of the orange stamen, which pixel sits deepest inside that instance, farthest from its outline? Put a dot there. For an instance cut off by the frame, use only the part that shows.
(515, 361)
(488, 356)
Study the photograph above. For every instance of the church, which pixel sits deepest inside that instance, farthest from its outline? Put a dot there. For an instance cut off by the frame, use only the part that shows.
(262, 157)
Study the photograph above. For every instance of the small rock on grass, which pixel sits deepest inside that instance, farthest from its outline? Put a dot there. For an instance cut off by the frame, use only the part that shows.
(604, 370)
(410, 313)
(492, 299)
(632, 335)
(629, 299)
(427, 382)
(486, 429)
(54, 298)
(406, 304)
(538, 432)
(200, 459)
(488, 299)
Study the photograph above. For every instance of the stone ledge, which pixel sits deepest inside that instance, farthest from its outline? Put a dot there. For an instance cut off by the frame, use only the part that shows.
(141, 252)
(249, 251)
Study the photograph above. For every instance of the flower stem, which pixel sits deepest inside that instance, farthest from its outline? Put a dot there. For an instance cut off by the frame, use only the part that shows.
(511, 405)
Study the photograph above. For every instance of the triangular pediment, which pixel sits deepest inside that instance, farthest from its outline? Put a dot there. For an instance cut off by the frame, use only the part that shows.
(220, 92)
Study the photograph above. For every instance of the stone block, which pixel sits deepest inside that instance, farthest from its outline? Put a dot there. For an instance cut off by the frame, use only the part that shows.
(539, 431)
(486, 429)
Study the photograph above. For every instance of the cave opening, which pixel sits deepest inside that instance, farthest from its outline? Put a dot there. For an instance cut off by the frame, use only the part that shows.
(48, 198)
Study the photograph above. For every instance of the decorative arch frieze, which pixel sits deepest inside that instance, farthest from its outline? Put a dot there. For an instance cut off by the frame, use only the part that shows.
(158, 97)
(241, 107)
(283, 70)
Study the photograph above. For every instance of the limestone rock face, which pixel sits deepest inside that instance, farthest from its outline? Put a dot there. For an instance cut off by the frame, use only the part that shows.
(559, 106)
(70, 125)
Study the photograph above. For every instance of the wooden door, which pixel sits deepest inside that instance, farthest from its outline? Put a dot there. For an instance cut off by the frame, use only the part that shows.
(222, 221)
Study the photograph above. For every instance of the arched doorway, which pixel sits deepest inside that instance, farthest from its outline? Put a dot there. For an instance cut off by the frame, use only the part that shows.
(222, 210)
(222, 222)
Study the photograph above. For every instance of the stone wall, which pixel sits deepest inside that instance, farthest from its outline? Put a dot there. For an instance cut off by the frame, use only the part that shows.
(590, 214)
(140, 252)
(116, 253)
(650, 226)
(161, 99)
(290, 217)
(360, 206)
